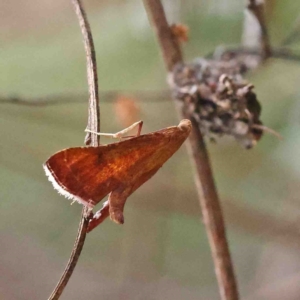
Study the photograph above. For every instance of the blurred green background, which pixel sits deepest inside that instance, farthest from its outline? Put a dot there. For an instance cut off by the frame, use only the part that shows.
(161, 252)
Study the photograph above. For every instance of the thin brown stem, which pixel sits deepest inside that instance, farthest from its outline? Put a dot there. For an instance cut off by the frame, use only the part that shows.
(280, 53)
(208, 197)
(169, 47)
(93, 139)
(94, 110)
(78, 245)
(258, 10)
(147, 96)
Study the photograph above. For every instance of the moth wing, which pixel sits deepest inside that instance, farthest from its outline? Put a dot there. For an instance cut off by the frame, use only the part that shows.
(88, 174)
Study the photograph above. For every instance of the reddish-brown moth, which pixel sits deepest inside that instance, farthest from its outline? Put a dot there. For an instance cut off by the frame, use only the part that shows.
(88, 174)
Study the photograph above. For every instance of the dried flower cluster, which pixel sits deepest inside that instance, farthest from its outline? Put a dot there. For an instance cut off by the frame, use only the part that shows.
(215, 94)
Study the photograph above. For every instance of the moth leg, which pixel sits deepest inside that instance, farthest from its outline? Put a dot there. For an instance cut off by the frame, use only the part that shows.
(117, 199)
(121, 134)
(99, 216)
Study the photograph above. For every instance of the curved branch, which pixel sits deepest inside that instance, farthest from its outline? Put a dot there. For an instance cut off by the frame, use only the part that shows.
(94, 110)
(93, 139)
(78, 245)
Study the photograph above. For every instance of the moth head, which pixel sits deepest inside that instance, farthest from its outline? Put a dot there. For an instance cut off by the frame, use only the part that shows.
(185, 125)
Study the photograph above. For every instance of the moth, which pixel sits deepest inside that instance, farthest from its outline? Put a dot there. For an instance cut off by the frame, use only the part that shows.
(88, 174)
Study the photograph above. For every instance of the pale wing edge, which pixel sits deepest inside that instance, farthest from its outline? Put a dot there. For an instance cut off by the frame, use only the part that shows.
(62, 190)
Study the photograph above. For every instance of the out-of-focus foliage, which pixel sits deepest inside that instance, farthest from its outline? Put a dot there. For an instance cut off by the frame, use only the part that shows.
(161, 252)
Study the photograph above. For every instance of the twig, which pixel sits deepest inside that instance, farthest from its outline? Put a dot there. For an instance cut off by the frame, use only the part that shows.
(258, 10)
(279, 53)
(169, 47)
(94, 125)
(94, 110)
(208, 197)
(147, 96)
(78, 245)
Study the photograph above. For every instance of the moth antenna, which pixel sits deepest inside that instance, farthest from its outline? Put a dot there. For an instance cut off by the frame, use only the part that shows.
(269, 130)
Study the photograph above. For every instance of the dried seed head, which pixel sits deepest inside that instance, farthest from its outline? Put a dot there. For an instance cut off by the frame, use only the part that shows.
(222, 103)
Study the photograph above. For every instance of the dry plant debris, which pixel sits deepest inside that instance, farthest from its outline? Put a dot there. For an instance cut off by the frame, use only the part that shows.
(217, 96)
